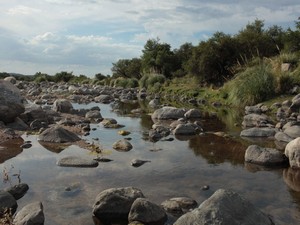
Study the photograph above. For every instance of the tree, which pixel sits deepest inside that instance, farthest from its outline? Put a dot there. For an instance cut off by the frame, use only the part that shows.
(158, 58)
(63, 76)
(292, 37)
(181, 57)
(100, 76)
(128, 68)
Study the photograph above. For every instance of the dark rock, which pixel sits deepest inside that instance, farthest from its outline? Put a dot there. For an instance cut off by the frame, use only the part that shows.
(7, 201)
(18, 191)
(144, 211)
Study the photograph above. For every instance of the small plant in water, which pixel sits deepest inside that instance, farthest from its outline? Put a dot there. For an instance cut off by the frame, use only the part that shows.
(7, 173)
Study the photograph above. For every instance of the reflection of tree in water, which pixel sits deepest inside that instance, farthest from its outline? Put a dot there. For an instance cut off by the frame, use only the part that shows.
(10, 149)
(216, 149)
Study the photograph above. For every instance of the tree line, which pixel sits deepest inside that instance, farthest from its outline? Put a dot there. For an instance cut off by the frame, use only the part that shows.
(212, 61)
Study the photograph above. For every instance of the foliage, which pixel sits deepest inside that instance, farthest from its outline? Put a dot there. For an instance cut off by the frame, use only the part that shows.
(100, 76)
(149, 80)
(251, 86)
(125, 82)
(129, 68)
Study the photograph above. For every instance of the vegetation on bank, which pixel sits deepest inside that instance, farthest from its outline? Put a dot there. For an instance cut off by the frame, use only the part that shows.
(241, 69)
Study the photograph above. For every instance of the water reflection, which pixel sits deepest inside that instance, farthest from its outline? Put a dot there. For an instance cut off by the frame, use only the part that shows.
(292, 178)
(216, 149)
(54, 147)
(10, 149)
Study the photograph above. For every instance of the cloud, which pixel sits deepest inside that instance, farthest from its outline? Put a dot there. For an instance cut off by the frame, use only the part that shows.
(87, 36)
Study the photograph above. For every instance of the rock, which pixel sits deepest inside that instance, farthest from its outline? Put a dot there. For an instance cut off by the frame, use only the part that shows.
(138, 162)
(255, 120)
(258, 132)
(18, 191)
(93, 114)
(122, 145)
(264, 156)
(180, 205)
(168, 113)
(123, 132)
(185, 129)
(295, 106)
(34, 112)
(11, 80)
(292, 131)
(11, 105)
(292, 151)
(252, 110)
(283, 137)
(18, 124)
(105, 99)
(74, 161)
(58, 134)
(31, 214)
(144, 211)
(154, 103)
(285, 67)
(115, 203)
(225, 207)
(192, 114)
(63, 106)
(7, 201)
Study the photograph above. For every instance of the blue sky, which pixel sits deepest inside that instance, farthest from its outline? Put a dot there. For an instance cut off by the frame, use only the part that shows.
(87, 36)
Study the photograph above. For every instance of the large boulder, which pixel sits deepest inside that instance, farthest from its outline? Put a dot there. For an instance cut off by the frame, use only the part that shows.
(31, 214)
(63, 106)
(264, 156)
(115, 203)
(168, 113)
(225, 207)
(292, 151)
(146, 212)
(57, 134)
(11, 102)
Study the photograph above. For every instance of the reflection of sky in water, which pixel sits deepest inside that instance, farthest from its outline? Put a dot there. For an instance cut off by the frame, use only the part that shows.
(176, 170)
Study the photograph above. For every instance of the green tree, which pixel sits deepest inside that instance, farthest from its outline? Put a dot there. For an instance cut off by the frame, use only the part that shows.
(292, 38)
(158, 58)
(127, 68)
(100, 76)
(63, 76)
(182, 56)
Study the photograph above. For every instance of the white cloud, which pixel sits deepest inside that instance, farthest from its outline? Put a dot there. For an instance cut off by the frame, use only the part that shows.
(86, 36)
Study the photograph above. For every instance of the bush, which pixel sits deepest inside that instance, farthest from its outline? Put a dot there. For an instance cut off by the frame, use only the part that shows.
(251, 86)
(149, 80)
(125, 82)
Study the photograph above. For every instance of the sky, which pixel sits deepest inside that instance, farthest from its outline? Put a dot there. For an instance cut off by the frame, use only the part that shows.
(87, 36)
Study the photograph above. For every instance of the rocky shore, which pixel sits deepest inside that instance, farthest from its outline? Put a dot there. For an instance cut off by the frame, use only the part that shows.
(46, 109)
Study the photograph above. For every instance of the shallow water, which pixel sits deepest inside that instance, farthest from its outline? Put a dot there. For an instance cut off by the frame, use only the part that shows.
(181, 168)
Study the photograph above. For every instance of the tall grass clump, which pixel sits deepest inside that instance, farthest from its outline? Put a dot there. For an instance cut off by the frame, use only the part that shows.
(251, 86)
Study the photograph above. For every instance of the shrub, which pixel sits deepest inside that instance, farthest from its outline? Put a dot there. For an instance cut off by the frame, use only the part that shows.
(149, 80)
(125, 82)
(251, 86)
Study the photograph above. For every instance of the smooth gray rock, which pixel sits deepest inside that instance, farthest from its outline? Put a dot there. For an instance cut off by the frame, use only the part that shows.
(11, 80)
(168, 113)
(283, 137)
(154, 103)
(93, 114)
(252, 109)
(225, 207)
(256, 120)
(115, 203)
(18, 191)
(58, 134)
(264, 156)
(146, 212)
(31, 214)
(258, 132)
(192, 114)
(122, 145)
(7, 201)
(292, 131)
(74, 161)
(292, 151)
(63, 106)
(11, 102)
(180, 205)
(105, 99)
(185, 129)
